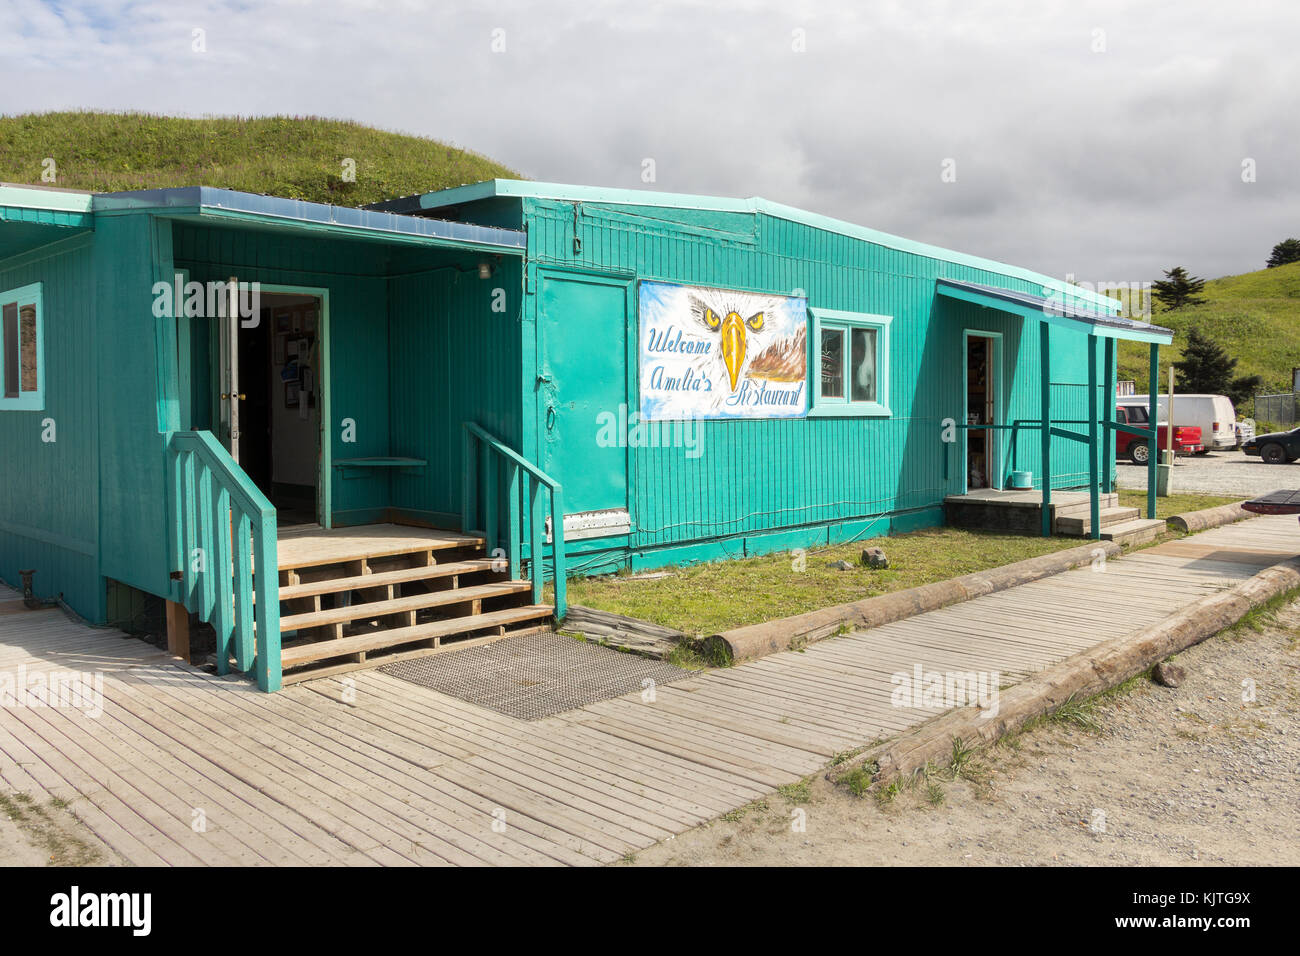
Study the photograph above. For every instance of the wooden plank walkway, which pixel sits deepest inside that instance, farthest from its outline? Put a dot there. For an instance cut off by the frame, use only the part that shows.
(186, 768)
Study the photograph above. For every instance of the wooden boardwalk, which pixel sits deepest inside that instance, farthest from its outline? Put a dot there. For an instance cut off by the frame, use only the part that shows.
(186, 768)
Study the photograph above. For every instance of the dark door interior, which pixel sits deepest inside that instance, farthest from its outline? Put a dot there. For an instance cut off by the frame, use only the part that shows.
(979, 411)
(279, 413)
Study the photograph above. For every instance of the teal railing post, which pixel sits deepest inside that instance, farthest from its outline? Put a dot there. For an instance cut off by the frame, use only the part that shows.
(266, 579)
(1153, 422)
(557, 552)
(1045, 383)
(1108, 412)
(245, 649)
(1094, 480)
(467, 488)
(535, 521)
(513, 545)
(490, 484)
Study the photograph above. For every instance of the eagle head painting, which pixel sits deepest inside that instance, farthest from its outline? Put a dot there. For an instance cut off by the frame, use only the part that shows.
(720, 353)
(733, 333)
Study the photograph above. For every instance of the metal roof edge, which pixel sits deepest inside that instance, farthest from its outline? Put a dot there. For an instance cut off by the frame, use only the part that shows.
(207, 201)
(19, 195)
(521, 188)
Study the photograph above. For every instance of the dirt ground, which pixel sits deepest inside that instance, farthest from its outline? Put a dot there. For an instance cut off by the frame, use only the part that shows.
(1183, 776)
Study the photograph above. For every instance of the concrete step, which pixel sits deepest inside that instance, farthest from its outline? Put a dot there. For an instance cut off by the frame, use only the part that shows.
(1076, 508)
(1134, 532)
(1081, 525)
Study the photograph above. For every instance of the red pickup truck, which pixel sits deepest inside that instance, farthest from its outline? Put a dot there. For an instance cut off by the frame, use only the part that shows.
(1187, 438)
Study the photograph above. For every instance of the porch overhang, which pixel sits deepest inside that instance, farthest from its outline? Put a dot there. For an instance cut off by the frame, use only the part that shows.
(297, 217)
(35, 216)
(1055, 311)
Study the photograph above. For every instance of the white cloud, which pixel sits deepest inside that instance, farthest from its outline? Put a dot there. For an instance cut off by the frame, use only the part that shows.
(1110, 165)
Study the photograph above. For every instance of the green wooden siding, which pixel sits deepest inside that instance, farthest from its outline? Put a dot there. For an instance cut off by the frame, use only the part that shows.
(48, 520)
(760, 476)
(454, 358)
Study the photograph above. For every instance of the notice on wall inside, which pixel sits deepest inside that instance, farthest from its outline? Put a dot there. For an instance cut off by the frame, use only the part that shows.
(715, 353)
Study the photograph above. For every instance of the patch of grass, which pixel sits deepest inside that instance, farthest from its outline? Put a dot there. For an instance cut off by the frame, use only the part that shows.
(1262, 616)
(934, 793)
(1173, 504)
(795, 792)
(712, 597)
(42, 826)
(299, 157)
(959, 763)
(1077, 712)
(858, 780)
(738, 814)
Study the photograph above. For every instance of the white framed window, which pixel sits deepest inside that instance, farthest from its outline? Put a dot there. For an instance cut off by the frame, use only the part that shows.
(850, 363)
(22, 349)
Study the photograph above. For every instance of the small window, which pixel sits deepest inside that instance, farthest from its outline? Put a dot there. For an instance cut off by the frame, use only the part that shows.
(22, 370)
(850, 364)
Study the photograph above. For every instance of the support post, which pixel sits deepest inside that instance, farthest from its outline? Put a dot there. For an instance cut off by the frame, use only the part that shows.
(1108, 411)
(1094, 480)
(1045, 372)
(178, 631)
(1153, 419)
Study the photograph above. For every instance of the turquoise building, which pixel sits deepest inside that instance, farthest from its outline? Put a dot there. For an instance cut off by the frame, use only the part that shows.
(414, 414)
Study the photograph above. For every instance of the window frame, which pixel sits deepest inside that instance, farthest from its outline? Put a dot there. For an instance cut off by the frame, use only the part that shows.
(26, 401)
(846, 407)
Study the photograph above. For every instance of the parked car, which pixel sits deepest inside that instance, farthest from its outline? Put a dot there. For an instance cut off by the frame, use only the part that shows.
(1245, 431)
(1187, 438)
(1213, 414)
(1275, 448)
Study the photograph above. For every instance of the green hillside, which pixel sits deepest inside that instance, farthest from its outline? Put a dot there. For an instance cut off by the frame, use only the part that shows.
(296, 157)
(1255, 317)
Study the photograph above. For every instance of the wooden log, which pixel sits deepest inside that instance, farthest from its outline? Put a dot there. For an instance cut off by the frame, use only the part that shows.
(792, 633)
(632, 633)
(1083, 675)
(1208, 518)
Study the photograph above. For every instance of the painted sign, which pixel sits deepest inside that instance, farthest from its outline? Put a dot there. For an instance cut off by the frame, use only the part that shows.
(715, 353)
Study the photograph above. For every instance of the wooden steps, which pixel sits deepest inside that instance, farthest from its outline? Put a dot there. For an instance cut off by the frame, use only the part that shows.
(380, 589)
(434, 632)
(400, 605)
(383, 578)
(1080, 525)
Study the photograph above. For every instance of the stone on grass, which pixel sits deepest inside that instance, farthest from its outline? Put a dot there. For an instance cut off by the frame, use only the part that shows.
(840, 566)
(875, 558)
(1169, 674)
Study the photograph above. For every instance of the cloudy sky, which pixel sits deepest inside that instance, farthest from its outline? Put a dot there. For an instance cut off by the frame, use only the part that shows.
(1102, 138)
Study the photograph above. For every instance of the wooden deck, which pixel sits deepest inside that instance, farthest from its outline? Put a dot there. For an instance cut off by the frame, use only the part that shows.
(368, 769)
(310, 545)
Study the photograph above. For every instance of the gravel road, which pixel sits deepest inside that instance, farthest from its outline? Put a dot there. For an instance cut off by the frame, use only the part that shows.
(1230, 473)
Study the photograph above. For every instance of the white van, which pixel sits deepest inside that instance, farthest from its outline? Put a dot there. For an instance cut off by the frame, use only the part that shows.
(1214, 413)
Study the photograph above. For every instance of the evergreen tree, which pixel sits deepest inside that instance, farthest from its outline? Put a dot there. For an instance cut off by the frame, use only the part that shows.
(1205, 369)
(1243, 389)
(1288, 250)
(1178, 289)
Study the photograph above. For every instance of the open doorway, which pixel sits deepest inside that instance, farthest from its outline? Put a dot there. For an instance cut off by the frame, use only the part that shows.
(270, 381)
(982, 408)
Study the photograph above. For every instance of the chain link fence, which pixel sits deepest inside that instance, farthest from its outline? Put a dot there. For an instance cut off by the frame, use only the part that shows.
(1282, 409)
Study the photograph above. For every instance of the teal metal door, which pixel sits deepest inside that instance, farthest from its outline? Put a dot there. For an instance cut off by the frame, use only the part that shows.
(583, 388)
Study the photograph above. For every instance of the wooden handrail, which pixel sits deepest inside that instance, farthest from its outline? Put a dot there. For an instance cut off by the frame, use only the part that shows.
(483, 453)
(224, 547)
